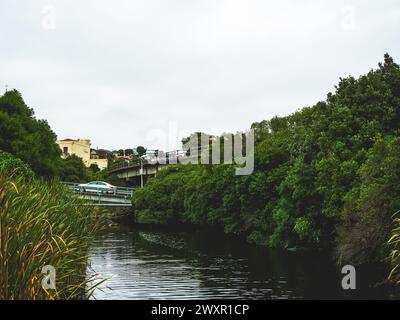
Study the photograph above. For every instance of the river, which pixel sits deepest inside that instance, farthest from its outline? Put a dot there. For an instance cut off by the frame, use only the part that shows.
(154, 264)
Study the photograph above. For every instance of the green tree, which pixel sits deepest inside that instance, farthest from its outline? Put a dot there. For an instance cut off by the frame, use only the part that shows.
(72, 169)
(128, 152)
(94, 173)
(367, 218)
(141, 150)
(27, 138)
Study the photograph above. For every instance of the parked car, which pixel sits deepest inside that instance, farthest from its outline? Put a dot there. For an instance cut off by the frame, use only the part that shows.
(97, 186)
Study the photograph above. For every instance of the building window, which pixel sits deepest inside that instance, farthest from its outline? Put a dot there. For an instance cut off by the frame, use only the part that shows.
(65, 150)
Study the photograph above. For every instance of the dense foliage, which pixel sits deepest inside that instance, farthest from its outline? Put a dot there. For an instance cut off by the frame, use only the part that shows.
(41, 224)
(370, 205)
(26, 137)
(72, 169)
(327, 167)
(14, 166)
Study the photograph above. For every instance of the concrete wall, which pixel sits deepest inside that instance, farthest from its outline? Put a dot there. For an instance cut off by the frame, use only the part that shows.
(101, 163)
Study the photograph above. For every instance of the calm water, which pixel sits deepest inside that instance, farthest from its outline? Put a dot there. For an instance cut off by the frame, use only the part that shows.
(203, 265)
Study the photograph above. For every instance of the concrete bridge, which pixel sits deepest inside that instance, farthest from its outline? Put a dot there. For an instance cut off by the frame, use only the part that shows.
(149, 164)
(128, 170)
(121, 198)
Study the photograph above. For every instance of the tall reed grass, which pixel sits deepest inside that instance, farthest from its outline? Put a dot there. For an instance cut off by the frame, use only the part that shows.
(41, 223)
(394, 243)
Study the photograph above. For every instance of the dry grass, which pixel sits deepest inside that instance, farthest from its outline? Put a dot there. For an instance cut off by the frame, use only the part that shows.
(42, 224)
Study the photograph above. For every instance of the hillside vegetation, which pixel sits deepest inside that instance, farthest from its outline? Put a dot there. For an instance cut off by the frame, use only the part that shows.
(326, 176)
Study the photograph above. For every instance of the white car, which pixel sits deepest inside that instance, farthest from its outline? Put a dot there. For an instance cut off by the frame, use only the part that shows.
(97, 186)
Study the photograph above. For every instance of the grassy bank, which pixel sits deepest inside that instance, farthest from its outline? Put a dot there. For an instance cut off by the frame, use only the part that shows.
(41, 224)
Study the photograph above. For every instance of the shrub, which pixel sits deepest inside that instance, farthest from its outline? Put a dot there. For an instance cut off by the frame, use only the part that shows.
(14, 166)
(366, 221)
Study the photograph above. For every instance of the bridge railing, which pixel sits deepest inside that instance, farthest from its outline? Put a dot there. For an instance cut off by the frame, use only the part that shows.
(171, 157)
(122, 164)
(120, 191)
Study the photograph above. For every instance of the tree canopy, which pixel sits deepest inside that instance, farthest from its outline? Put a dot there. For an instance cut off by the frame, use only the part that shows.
(72, 169)
(26, 137)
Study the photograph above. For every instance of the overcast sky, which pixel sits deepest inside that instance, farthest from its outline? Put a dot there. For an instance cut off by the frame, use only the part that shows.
(146, 72)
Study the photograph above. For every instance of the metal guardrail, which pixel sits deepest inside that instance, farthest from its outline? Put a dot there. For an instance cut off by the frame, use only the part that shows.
(120, 191)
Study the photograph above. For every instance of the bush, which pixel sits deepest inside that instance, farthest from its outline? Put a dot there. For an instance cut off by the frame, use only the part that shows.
(162, 200)
(366, 220)
(304, 228)
(14, 166)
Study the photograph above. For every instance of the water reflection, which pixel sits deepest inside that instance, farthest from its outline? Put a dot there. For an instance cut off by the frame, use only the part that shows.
(205, 265)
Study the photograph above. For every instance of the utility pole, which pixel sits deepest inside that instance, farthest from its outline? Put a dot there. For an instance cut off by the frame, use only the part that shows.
(141, 172)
